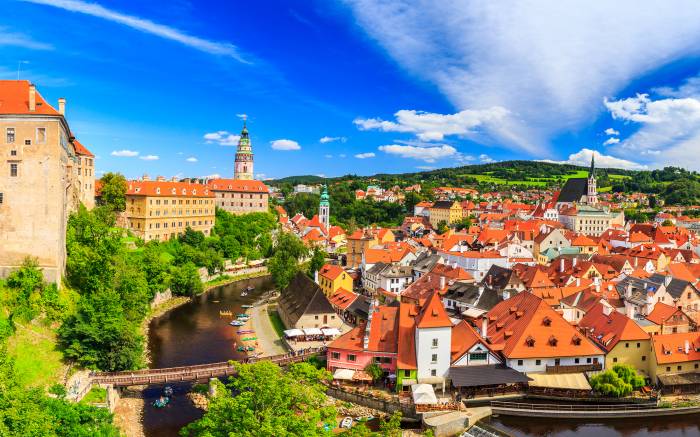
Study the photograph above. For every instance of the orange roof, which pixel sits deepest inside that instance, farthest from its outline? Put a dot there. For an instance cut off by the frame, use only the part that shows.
(167, 189)
(529, 328)
(331, 271)
(583, 240)
(407, 336)
(661, 313)
(342, 298)
(464, 337)
(608, 329)
(14, 99)
(383, 333)
(388, 255)
(433, 314)
(314, 235)
(80, 149)
(238, 185)
(670, 348)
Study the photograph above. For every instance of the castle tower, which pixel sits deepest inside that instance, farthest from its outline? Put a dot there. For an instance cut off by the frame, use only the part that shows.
(324, 210)
(244, 156)
(592, 194)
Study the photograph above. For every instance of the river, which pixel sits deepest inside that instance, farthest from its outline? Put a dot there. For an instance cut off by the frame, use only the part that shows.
(195, 334)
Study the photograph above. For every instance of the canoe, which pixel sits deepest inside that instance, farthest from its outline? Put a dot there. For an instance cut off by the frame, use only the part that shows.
(236, 323)
(246, 306)
(161, 402)
(242, 315)
(245, 331)
(249, 338)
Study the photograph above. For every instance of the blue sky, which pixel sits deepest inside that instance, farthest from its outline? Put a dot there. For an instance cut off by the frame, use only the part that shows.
(364, 86)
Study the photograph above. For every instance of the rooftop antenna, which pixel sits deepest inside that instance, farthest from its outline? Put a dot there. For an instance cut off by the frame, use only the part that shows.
(19, 67)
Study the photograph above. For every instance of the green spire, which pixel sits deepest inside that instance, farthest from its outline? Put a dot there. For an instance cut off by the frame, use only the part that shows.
(324, 196)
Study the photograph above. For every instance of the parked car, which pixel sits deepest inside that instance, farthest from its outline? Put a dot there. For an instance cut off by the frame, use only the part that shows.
(346, 422)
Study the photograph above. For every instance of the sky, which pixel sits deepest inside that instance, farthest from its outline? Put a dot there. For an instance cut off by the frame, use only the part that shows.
(334, 87)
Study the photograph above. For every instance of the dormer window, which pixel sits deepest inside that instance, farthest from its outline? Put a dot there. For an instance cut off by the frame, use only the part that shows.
(174, 191)
(547, 321)
(229, 187)
(553, 341)
(576, 340)
(158, 190)
(138, 189)
(530, 342)
(184, 191)
(194, 192)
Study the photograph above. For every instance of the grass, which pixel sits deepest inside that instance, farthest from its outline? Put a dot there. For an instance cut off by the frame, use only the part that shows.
(276, 322)
(96, 395)
(38, 362)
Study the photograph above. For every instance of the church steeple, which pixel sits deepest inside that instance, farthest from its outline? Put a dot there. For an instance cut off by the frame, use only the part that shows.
(591, 172)
(592, 190)
(243, 168)
(324, 208)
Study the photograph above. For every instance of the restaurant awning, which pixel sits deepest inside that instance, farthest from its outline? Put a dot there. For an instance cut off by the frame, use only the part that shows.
(566, 381)
(312, 331)
(477, 376)
(293, 332)
(407, 382)
(423, 394)
(330, 332)
(679, 379)
(343, 374)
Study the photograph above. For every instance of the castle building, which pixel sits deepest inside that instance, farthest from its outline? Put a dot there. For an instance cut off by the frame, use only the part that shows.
(243, 169)
(86, 174)
(39, 181)
(240, 196)
(161, 210)
(324, 209)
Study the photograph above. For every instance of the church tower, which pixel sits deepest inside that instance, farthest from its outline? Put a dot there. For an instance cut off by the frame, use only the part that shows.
(592, 194)
(244, 156)
(324, 209)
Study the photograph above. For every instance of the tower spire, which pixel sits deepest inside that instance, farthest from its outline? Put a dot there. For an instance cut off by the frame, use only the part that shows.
(591, 173)
(243, 168)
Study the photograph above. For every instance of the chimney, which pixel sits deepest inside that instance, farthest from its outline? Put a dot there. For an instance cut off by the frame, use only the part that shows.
(687, 347)
(484, 326)
(145, 177)
(561, 265)
(173, 179)
(607, 310)
(160, 178)
(442, 282)
(578, 282)
(574, 261)
(32, 97)
(629, 290)
(62, 106)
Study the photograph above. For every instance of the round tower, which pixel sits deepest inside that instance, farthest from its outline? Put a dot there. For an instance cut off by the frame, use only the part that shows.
(324, 210)
(243, 168)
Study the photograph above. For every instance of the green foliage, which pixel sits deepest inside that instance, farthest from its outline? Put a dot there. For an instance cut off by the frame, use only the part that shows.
(268, 402)
(185, 281)
(684, 191)
(30, 412)
(113, 192)
(318, 259)
(284, 264)
(442, 227)
(374, 370)
(619, 381)
(463, 224)
(391, 427)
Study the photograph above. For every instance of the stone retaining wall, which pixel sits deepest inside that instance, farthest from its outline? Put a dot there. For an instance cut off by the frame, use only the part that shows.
(370, 402)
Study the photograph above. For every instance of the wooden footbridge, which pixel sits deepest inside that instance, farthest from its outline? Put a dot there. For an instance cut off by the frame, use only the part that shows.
(200, 372)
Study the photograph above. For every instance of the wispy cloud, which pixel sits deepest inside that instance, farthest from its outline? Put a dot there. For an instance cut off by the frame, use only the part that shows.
(124, 153)
(610, 131)
(222, 138)
(365, 155)
(191, 159)
(485, 159)
(147, 26)
(285, 144)
(611, 141)
(427, 154)
(8, 38)
(325, 140)
(150, 157)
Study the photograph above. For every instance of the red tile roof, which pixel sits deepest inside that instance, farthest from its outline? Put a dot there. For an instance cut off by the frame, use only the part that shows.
(342, 298)
(14, 99)
(80, 149)
(407, 336)
(661, 313)
(237, 185)
(331, 271)
(607, 330)
(167, 189)
(464, 337)
(433, 314)
(670, 348)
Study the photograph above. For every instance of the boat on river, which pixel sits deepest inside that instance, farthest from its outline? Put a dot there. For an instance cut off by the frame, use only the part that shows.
(249, 288)
(246, 306)
(249, 338)
(245, 349)
(242, 315)
(161, 402)
(237, 323)
(245, 331)
(225, 313)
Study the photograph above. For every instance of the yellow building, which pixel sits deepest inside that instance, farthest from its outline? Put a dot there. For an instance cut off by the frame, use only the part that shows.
(674, 354)
(363, 239)
(161, 210)
(332, 278)
(621, 338)
(445, 211)
(86, 174)
(39, 184)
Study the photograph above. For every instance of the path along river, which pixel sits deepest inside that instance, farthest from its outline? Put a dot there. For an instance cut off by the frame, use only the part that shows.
(194, 333)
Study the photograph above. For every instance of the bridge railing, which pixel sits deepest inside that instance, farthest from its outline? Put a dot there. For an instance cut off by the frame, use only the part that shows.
(569, 407)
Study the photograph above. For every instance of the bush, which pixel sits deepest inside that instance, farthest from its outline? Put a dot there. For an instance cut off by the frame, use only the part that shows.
(617, 382)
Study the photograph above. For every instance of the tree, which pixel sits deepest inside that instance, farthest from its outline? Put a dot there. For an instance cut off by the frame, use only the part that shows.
(113, 191)
(465, 223)
(617, 382)
(284, 264)
(410, 200)
(391, 427)
(442, 227)
(191, 237)
(667, 222)
(318, 259)
(268, 402)
(185, 280)
(374, 371)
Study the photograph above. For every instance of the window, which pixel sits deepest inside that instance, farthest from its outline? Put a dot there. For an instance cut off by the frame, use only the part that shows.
(27, 142)
(615, 360)
(639, 345)
(10, 135)
(668, 368)
(433, 359)
(352, 357)
(679, 368)
(644, 357)
(335, 355)
(40, 135)
(435, 342)
(627, 345)
(13, 169)
(406, 373)
(520, 362)
(433, 372)
(478, 356)
(538, 362)
(588, 360)
(576, 360)
(2, 198)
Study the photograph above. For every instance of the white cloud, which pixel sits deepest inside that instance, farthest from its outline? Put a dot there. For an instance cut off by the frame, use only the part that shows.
(326, 139)
(150, 157)
(12, 39)
(321, 175)
(222, 138)
(285, 145)
(365, 155)
(484, 158)
(328, 155)
(211, 176)
(583, 158)
(429, 126)
(610, 131)
(425, 167)
(146, 26)
(669, 132)
(191, 159)
(548, 63)
(427, 154)
(124, 153)
(611, 141)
